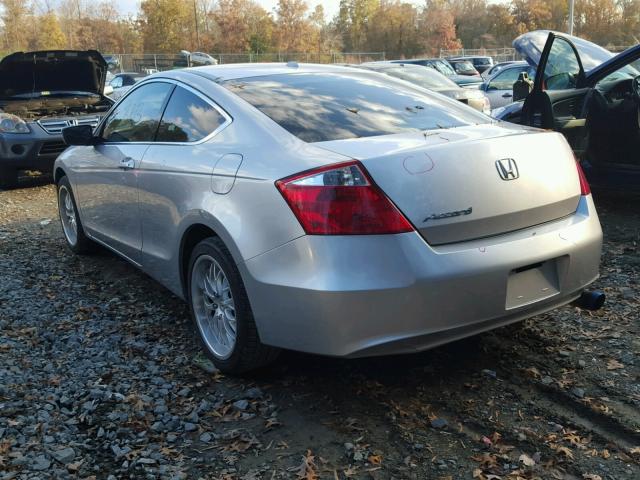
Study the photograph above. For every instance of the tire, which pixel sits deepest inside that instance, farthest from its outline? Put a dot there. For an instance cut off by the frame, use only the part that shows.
(8, 178)
(76, 239)
(218, 302)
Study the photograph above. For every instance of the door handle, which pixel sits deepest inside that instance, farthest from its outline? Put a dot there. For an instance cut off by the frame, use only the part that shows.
(127, 163)
(507, 95)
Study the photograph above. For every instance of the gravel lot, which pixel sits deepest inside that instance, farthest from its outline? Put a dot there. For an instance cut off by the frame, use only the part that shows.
(100, 378)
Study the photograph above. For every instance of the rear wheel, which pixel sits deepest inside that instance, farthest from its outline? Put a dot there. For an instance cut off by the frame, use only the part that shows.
(77, 241)
(221, 312)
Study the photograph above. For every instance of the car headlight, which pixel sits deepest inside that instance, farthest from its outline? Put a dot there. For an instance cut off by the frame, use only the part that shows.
(486, 105)
(12, 124)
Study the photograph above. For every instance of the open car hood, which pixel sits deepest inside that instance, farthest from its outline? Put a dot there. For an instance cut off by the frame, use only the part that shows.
(52, 71)
(531, 44)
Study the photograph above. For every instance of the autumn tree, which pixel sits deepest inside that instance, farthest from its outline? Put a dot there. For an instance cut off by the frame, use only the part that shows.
(48, 35)
(354, 21)
(293, 28)
(393, 29)
(166, 25)
(15, 18)
(240, 26)
(437, 28)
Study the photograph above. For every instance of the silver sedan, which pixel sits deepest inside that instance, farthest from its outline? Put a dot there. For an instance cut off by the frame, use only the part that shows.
(329, 210)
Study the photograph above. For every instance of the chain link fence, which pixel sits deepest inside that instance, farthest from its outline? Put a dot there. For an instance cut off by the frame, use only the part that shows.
(150, 62)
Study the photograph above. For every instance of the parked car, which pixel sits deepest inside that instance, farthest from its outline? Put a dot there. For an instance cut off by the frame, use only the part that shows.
(480, 63)
(464, 67)
(122, 82)
(499, 87)
(446, 69)
(591, 96)
(432, 80)
(40, 94)
(306, 206)
(200, 58)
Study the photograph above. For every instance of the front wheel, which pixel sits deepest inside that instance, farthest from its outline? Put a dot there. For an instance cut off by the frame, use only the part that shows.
(72, 229)
(221, 312)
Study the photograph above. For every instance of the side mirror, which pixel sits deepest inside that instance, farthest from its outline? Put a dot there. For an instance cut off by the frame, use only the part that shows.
(79, 135)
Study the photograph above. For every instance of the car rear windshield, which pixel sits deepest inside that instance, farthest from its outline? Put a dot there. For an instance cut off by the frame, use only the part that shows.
(319, 107)
(425, 77)
(465, 66)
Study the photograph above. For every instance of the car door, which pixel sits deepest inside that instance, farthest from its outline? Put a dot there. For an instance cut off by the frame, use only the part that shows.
(107, 184)
(499, 88)
(559, 92)
(192, 163)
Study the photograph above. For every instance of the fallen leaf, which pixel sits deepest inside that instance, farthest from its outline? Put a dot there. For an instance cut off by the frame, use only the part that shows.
(527, 460)
(613, 364)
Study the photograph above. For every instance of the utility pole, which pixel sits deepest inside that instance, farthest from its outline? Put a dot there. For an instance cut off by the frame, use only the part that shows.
(195, 18)
(571, 2)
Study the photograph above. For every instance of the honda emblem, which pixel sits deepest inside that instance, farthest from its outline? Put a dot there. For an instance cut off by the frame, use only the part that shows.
(507, 169)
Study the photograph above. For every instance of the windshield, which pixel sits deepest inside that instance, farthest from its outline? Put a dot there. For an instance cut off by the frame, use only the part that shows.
(319, 107)
(443, 68)
(424, 77)
(482, 61)
(465, 67)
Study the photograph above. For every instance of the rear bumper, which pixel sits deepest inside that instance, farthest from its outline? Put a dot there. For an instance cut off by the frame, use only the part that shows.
(372, 295)
(36, 150)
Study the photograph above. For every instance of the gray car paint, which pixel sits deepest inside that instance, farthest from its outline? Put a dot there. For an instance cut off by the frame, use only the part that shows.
(336, 295)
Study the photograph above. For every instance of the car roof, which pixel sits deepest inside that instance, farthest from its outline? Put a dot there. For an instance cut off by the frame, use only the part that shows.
(386, 65)
(221, 73)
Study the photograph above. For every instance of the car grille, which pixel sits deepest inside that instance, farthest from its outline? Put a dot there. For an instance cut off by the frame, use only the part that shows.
(54, 127)
(464, 100)
(52, 148)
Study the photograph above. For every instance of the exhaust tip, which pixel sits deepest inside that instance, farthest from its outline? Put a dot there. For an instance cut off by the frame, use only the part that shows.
(591, 300)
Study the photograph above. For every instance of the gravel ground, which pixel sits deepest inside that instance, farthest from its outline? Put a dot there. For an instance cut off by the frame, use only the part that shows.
(100, 378)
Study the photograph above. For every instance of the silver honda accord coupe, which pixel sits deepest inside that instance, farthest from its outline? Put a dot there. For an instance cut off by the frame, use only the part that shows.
(329, 210)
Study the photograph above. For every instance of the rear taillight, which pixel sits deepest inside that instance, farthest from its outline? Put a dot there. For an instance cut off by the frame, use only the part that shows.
(341, 199)
(585, 189)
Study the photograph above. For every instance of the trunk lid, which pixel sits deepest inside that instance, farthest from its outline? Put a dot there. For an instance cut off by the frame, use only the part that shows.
(448, 183)
(52, 71)
(531, 44)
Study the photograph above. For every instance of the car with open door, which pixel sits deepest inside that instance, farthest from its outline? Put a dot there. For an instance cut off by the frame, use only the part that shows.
(592, 97)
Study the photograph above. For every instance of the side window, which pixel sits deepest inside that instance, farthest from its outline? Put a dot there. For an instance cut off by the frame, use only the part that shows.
(562, 68)
(505, 79)
(188, 118)
(136, 118)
